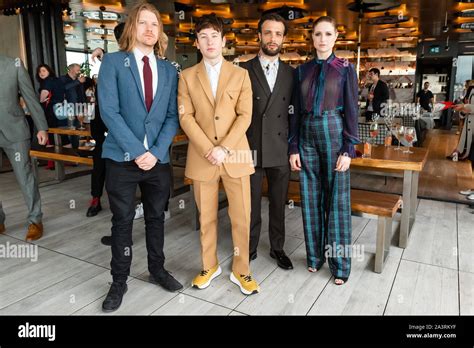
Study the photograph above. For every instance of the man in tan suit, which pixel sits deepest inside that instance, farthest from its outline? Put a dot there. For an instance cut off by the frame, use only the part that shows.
(215, 111)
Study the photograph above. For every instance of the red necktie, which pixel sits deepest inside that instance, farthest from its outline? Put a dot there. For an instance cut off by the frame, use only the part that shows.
(148, 80)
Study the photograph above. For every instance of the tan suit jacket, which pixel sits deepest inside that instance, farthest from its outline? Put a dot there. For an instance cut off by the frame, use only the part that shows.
(223, 121)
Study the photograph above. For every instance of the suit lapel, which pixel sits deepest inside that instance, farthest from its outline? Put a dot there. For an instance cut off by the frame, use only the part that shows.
(204, 80)
(257, 69)
(223, 79)
(161, 84)
(278, 82)
(136, 75)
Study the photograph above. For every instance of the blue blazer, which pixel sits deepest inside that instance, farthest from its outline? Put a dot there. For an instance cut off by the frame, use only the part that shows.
(123, 110)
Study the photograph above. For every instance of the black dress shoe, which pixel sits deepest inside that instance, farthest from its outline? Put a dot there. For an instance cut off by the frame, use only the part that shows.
(106, 240)
(166, 280)
(282, 260)
(114, 298)
(253, 256)
(94, 208)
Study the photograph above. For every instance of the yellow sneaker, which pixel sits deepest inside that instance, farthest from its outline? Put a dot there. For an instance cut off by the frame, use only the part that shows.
(203, 279)
(246, 283)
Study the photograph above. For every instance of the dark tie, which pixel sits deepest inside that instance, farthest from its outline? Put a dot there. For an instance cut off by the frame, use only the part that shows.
(267, 69)
(148, 81)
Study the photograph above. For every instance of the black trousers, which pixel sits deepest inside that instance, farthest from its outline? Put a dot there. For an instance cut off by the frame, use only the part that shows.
(277, 178)
(98, 170)
(121, 183)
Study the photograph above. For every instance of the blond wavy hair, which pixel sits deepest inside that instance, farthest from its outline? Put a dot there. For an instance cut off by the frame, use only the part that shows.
(163, 44)
(129, 36)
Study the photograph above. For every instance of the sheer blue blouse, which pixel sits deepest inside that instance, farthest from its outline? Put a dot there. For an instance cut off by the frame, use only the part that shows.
(321, 87)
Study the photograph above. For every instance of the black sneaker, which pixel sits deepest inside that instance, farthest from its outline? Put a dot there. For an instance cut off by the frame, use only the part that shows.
(166, 280)
(114, 298)
(106, 240)
(94, 207)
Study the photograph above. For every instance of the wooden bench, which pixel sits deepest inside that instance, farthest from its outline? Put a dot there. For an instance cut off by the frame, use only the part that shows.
(373, 205)
(57, 154)
(63, 154)
(60, 154)
(380, 206)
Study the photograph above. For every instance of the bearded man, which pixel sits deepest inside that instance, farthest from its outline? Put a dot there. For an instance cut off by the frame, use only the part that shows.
(272, 87)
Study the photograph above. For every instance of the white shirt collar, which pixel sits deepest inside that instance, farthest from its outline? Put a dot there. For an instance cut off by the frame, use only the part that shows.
(216, 67)
(139, 55)
(264, 61)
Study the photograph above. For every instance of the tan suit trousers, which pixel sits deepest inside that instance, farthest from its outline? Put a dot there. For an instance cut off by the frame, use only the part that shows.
(206, 195)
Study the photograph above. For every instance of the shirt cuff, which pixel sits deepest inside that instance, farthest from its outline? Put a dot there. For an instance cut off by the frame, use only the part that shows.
(293, 149)
(349, 149)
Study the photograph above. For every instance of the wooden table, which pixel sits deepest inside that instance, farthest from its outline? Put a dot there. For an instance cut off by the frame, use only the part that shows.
(57, 132)
(387, 161)
(68, 131)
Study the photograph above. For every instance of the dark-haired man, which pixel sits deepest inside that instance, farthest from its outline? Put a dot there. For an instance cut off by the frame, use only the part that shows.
(378, 94)
(215, 106)
(425, 97)
(272, 86)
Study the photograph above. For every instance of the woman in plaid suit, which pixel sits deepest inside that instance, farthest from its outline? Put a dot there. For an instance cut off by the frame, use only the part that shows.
(323, 131)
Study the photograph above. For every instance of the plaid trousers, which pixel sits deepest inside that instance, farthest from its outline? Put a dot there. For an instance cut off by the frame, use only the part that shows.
(325, 194)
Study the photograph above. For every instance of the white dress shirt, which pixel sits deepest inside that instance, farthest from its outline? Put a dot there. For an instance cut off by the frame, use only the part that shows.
(370, 107)
(270, 70)
(213, 72)
(154, 71)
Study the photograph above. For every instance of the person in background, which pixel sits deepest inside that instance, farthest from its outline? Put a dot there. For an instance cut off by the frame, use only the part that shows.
(51, 93)
(323, 132)
(46, 77)
(378, 94)
(15, 138)
(74, 93)
(98, 132)
(468, 86)
(467, 135)
(164, 43)
(463, 148)
(425, 97)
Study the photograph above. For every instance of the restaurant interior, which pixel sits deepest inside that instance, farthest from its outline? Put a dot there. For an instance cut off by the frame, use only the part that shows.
(413, 228)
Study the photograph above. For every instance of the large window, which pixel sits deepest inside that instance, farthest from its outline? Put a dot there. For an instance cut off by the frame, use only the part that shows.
(80, 58)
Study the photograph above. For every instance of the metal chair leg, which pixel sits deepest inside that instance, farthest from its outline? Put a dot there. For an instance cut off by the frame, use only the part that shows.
(384, 230)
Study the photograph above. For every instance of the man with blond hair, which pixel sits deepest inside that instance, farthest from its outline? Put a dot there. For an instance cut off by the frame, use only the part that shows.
(137, 99)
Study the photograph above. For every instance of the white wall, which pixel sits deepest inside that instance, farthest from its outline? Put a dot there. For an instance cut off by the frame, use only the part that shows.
(11, 38)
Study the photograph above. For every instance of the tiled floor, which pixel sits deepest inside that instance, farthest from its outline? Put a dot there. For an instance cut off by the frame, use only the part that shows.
(434, 275)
